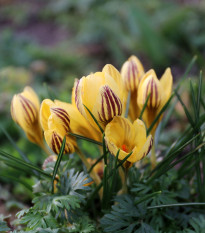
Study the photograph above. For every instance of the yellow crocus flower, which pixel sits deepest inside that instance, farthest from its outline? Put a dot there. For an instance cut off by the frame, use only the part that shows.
(25, 112)
(159, 90)
(132, 72)
(121, 134)
(78, 124)
(55, 121)
(102, 93)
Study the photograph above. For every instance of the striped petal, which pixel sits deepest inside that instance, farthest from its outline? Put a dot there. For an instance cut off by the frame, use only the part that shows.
(25, 112)
(60, 119)
(107, 105)
(54, 141)
(132, 72)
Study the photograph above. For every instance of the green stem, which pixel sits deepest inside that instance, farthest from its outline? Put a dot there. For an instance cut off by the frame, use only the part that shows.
(45, 149)
(123, 176)
(153, 156)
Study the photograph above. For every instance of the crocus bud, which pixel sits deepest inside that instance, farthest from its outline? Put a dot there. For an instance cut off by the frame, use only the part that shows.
(159, 90)
(25, 112)
(102, 94)
(132, 72)
(55, 122)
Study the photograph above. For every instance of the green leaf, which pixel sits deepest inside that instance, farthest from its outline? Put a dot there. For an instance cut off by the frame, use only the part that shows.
(144, 106)
(20, 164)
(147, 197)
(94, 119)
(159, 114)
(57, 164)
(177, 204)
(4, 227)
(86, 139)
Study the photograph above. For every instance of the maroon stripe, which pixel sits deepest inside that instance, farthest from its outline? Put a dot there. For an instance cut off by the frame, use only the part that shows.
(134, 75)
(111, 94)
(118, 103)
(106, 95)
(151, 95)
(76, 94)
(28, 103)
(156, 95)
(29, 121)
(63, 113)
(53, 143)
(57, 142)
(102, 109)
(150, 146)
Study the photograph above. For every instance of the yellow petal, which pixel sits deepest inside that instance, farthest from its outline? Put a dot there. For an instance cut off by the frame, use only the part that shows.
(121, 135)
(45, 113)
(150, 85)
(73, 92)
(140, 133)
(30, 94)
(113, 73)
(25, 112)
(78, 124)
(167, 82)
(59, 120)
(145, 149)
(90, 89)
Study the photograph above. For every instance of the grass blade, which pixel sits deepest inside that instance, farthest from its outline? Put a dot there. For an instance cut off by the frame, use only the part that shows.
(91, 168)
(143, 199)
(185, 110)
(176, 205)
(57, 164)
(9, 158)
(160, 113)
(145, 105)
(86, 139)
(94, 119)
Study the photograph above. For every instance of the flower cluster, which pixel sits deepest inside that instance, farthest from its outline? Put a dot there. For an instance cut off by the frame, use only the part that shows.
(98, 105)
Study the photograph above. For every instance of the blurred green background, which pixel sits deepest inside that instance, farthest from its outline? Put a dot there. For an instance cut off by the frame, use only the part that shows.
(49, 43)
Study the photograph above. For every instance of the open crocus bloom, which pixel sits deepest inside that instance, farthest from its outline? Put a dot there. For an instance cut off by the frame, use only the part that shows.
(55, 122)
(103, 94)
(25, 112)
(132, 72)
(121, 134)
(159, 90)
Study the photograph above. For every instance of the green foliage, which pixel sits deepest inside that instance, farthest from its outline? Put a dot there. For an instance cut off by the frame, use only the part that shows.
(3, 226)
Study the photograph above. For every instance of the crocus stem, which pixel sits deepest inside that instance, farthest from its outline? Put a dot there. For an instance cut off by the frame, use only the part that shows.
(123, 176)
(93, 174)
(153, 155)
(45, 149)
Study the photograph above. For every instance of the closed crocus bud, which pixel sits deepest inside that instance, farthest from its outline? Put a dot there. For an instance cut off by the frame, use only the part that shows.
(102, 93)
(55, 122)
(121, 134)
(159, 90)
(132, 72)
(25, 112)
